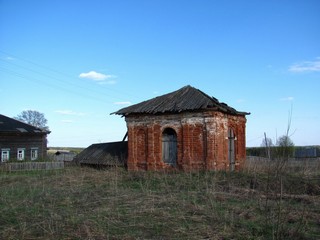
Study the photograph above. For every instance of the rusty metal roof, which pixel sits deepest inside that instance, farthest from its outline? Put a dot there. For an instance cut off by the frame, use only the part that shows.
(185, 99)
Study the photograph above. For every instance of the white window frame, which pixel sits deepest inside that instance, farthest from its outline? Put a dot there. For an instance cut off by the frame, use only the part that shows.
(34, 154)
(5, 154)
(20, 154)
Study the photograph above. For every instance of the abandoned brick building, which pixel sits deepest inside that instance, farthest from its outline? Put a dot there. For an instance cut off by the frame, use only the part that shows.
(185, 129)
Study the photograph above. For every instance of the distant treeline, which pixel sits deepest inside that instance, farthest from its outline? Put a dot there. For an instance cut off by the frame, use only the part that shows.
(297, 151)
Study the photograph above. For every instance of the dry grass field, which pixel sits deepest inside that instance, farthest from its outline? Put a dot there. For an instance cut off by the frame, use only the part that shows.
(84, 203)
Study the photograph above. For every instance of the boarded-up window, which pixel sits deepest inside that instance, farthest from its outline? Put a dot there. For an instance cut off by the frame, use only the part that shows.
(231, 148)
(169, 146)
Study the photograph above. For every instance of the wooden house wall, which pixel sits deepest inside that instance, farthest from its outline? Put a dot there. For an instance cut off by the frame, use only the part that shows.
(24, 141)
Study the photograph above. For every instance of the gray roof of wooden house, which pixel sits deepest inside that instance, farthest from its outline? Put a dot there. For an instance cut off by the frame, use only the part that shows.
(104, 154)
(185, 99)
(10, 125)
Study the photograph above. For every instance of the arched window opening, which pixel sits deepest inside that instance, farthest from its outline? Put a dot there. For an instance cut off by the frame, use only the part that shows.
(169, 146)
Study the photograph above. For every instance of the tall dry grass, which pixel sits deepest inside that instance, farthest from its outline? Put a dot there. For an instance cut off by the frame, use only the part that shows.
(283, 173)
(85, 203)
(304, 166)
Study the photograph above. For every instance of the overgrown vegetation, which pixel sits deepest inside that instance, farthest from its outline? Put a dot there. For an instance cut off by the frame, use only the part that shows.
(85, 203)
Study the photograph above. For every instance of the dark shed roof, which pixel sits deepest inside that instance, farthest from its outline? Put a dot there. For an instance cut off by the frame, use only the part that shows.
(10, 125)
(185, 99)
(105, 154)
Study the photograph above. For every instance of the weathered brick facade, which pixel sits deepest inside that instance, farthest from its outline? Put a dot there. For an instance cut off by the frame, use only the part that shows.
(185, 130)
(202, 140)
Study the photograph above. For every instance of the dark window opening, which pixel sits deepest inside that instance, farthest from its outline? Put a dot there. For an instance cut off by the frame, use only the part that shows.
(169, 146)
(231, 148)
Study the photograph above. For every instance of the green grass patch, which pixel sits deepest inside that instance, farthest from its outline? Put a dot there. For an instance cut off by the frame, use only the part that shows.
(84, 203)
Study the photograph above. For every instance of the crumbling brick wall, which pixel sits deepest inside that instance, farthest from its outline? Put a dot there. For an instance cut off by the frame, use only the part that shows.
(202, 140)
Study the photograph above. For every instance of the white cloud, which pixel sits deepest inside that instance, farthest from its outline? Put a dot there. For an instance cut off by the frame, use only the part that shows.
(10, 58)
(306, 66)
(287, 99)
(240, 100)
(122, 103)
(66, 121)
(69, 112)
(98, 77)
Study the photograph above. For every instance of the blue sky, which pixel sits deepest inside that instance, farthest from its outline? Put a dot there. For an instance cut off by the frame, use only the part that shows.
(79, 61)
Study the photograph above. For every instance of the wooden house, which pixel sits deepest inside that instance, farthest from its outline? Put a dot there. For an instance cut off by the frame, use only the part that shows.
(185, 129)
(21, 141)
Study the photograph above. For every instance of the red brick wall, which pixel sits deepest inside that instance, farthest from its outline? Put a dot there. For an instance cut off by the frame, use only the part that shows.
(202, 142)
